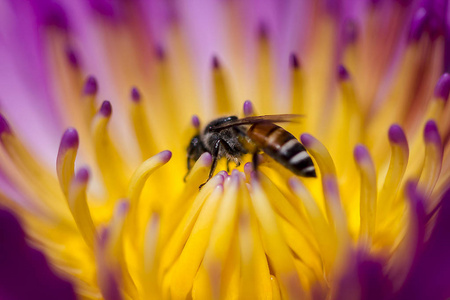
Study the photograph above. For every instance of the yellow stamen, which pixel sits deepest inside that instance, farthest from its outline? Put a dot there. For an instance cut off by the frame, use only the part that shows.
(264, 71)
(255, 274)
(222, 95)
(185, 268)
(433, 161)
(179, 237)
(323, 233)
(151, 258)
(395, 173)
(368, 192)
(138, 180)
(222, 231)
(76, 198)
(139, 117)
(109, 160)
(275, 246)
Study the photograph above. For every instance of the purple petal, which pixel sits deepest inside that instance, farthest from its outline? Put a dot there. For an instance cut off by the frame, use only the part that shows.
(24, 271)
(429, 276)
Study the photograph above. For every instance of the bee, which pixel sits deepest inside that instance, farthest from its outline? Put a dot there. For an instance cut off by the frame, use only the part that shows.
(231, 137)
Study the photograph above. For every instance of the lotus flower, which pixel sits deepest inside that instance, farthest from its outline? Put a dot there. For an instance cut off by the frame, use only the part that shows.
(95, 93)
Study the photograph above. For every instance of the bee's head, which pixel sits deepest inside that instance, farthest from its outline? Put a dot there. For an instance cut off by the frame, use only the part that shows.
(195, 149)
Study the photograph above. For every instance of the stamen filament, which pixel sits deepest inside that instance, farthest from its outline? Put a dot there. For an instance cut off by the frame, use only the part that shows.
(185, 268)
(79, 208)
(141, 128)
(65, 162)
(275, 246)
(432, 163)
(108, 159)
(138, 180)
(395, 173)
(223, 230)
(222, 95)
(368, 191)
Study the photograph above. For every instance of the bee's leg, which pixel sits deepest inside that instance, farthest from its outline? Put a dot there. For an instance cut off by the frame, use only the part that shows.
(228, 166)
(255, 160)
(214, 155)
(188, 169)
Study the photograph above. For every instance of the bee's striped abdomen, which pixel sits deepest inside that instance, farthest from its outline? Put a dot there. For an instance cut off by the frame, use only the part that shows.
(283, 147)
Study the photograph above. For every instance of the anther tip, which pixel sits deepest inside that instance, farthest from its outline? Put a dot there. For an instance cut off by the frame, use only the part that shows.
(330, 185)
(106, 109)
(72, 57)
(412, 192)
(206, 159)
(396, 134)
(122, 207)
(4, 126)
(135, 94)
(70, 138)
(215, 62)
(350, 31)
(431, 132)
(293, 182)
(195, 121)
(343, 73)
(294, 62)
(263, 30)
(160, 52)
(90, 86)
(82, 175)
(165, 155)
(442, 89)
(248, 108)
(360, 153)
(307, 140)
(418, 24)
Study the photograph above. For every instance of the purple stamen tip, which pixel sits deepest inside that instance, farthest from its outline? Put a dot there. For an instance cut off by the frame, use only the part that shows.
(70, 138)
(263, 30)
(195, 121)
(360, 153)
(82, 175)
(431, 132)
(206, 159)
(248, 108)
(215, 63)
(307, 140)
(343, 73)
(106, 109)
(350, 31)
(4, 126)
(435, 27)
(330, 185)
(412, 192)
(160, 52)
(165, 155)
(396, 135)
(54, 16)
(72, 57)
(293, 60)
(418, 24)
(90, 87)
(442, 89)
(122, 207)
(135, 95)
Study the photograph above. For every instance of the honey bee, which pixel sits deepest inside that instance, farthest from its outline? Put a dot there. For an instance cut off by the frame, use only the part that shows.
(231, 137)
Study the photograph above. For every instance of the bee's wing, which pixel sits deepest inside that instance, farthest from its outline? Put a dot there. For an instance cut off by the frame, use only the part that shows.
(283, 118)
